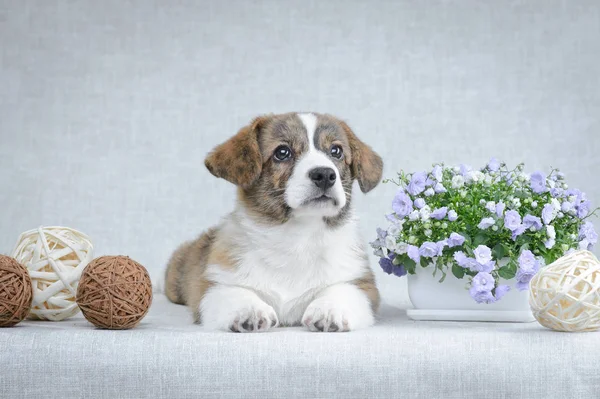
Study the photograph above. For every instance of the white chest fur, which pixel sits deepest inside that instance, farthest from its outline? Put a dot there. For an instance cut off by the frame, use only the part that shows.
(287, 265)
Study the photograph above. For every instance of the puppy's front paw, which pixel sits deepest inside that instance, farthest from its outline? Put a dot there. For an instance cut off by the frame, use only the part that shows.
(326, 318)
(254, 319)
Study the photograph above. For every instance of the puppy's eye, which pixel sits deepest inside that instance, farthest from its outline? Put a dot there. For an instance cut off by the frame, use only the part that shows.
(282, 153)
(336, 151)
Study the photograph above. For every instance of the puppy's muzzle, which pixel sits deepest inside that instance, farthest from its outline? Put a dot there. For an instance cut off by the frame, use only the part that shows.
(323, 177)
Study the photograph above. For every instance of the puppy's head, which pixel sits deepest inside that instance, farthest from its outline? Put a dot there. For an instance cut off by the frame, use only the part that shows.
(302, 164)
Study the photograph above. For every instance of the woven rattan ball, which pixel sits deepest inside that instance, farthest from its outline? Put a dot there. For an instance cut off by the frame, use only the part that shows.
(565, 295)
(55, 258)
(16, 291)
(114, 292)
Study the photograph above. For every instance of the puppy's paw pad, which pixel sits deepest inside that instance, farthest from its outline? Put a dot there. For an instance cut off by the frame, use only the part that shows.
(254, 319)
(326, 319)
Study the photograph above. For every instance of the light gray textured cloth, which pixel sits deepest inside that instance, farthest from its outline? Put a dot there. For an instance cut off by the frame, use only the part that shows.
(168, 357)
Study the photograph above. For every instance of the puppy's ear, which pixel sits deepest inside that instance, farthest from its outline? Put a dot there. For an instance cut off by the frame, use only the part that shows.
(238, 160)
(366, 165)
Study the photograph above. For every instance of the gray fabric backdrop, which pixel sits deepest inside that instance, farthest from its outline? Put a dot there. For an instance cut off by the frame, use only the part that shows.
(107, 108)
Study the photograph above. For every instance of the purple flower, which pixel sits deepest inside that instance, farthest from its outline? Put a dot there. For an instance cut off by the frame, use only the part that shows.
(439, 188)
(485, 223)
(386, 264)
(532, 221)
(413, 253)
(381, 233)
(441, 245)
(465, 169)
(461, 259)
(500, 209)
(538, 182)
(481, 296)
(455, 240)
(518, 231)
(523, 279)
(437, 173)
(528, 262)
(417, 183)
(566, 206)
(439, 213)
(483, 282)
(587, 232)
(493, 165)
(452, 216)
(583, 209)
(482, 254)
(429, 182)
(512, 220)
(391, 217)
(399, 271)
(548, 213)
(428, 249)
(500, 291)
(556, 192)
(402, 204)
(419, 203)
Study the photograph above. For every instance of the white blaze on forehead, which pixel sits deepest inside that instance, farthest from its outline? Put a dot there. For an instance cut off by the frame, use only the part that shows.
(299, 185)
(310, 123)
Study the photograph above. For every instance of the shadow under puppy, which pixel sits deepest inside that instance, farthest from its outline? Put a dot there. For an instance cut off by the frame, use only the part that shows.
(290, 252)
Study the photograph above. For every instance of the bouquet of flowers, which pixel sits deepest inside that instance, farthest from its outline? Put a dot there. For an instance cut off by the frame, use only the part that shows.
(483, 225)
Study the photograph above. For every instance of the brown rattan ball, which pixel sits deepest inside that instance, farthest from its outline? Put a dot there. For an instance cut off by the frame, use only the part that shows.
(16, 291)
(114, 292)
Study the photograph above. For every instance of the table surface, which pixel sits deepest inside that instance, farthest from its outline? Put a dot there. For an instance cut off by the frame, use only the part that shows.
(168, 356)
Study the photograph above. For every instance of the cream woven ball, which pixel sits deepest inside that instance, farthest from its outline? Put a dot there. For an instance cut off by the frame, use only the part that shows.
(55, 258)
(565, 295)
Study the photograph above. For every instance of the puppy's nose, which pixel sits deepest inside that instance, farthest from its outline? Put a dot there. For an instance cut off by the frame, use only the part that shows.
(322, 177)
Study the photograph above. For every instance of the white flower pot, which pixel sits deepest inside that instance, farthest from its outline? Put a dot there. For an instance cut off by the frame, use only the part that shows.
(450, 300)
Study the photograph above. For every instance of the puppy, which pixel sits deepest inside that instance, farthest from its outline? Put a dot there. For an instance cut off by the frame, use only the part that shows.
(290, 253)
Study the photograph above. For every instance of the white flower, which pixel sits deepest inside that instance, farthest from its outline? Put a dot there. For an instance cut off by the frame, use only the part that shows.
(524, 177)
(560, 215)
(488, 180)
(429, 192)
(550, 243)
(394, 230)
(437, 173)
(401, 248)
(414, 215)
(456, 169)
(534, 204)
(463, 193)
(555, 204)
(390, 243)
(572, 211)
(490, 206)
(425, 212)
(458, 181)
(551, 232)
(475, 176)
(550, 183)
(427, 233)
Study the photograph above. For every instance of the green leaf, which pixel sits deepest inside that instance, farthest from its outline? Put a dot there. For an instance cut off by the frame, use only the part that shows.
(424, 262)
(480, 239)
(498, 251)
(458, 271)
(509, 271)
(541, 248)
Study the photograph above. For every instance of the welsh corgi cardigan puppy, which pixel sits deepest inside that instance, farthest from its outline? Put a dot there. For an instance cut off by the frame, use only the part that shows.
(290, 253)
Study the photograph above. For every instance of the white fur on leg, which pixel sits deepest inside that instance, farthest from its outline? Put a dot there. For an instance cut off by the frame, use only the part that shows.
(236, 309)
(341, 307)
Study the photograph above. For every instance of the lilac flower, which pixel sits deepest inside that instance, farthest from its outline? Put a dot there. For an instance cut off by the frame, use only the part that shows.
(402, 204)
(532, 221)
(485, 223)
(455, 240)
(439, 213)
(417, 183)
(482, 254)
(556, 192)
(437, 173)
(500, 209)
(523, 278)
(428, 249)
(587, 235)
(583, 209)
(413, 253)
(391, 217)
(528, 262)
(439, 188)
(548, 213)
(477, 267)
(483, 282)
(381, 233)
(566, 206)
(493, 165)
(429, 192)
(500, 291)
(482, 296)
(491, 206)
(512, 220)
(538, 182)
(518, 231)
(399, 271)
(386, 265)
(452, 215)
(440, 246)
(465, 169)
(419, 203)
(461, 259)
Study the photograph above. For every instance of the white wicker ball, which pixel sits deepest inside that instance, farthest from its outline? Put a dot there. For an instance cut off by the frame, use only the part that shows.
(55, 258)
(565, 295)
